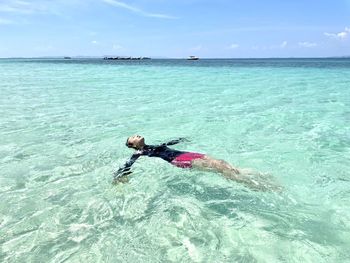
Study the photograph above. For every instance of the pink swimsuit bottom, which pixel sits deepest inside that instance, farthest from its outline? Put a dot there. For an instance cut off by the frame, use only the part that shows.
(185, 160)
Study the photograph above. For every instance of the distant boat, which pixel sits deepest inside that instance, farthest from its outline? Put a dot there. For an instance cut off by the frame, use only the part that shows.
(192, 58)
(67, 58)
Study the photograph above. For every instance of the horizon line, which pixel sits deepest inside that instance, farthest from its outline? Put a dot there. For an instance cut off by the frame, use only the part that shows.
(161, 57)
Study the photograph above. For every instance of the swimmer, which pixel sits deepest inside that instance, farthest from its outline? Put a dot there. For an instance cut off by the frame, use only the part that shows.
(184, 160)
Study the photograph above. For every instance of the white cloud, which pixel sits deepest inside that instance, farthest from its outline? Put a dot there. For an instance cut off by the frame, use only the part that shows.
(94, 42)
(92, 33)
(31, 7)
(284, 44)
(197, 48)
(233, 46)
(117, 47)
(5, 21)
(341, 35)
(136, 10)
(58, 7)
(22, 7)
(307, 44)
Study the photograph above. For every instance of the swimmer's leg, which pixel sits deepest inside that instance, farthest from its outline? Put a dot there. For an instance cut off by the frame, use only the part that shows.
(266, 181)
(248, 177)
(210, 164)
(223, 167)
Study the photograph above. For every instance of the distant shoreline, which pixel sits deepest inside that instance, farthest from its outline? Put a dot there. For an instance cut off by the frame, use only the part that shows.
(170, 58)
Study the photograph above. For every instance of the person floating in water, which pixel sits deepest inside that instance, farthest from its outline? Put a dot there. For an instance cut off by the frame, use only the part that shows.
(184, 160)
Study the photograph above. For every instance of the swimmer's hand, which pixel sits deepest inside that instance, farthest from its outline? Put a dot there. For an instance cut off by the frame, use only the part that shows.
(121, 175)
(172, 142)
(122, 179)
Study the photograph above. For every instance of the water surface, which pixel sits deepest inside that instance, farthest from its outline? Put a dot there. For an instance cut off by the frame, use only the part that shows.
(63, 126)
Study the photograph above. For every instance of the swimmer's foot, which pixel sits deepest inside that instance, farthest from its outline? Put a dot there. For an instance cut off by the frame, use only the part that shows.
(255, 180)
(121, 179)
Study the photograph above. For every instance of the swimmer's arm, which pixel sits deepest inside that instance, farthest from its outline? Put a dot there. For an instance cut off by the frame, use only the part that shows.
(125, 170)
(172, 142)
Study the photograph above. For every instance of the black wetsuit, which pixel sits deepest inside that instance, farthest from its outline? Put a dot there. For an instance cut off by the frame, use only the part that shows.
(161, 151)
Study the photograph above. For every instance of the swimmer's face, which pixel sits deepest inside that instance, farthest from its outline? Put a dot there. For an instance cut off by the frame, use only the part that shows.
(137, 142)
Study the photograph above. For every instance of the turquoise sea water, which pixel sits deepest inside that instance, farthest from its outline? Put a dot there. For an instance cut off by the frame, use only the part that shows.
(63, 126)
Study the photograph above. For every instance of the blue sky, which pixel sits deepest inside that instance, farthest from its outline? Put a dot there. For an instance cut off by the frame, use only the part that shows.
(175, 28)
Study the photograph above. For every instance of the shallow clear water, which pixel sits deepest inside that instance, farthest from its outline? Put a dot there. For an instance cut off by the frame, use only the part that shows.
(63, 126)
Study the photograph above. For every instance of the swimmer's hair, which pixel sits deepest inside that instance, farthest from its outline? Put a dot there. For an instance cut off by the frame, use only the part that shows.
(129, 145)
